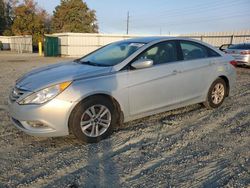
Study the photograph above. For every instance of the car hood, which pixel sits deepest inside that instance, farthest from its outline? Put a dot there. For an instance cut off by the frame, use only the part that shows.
(57, 73)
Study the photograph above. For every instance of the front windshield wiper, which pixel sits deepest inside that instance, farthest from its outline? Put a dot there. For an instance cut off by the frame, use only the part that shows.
(85, 62)
(77, 60)
(89, 63)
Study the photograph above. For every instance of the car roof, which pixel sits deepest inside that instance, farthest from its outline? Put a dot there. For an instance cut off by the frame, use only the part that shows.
(148, 39)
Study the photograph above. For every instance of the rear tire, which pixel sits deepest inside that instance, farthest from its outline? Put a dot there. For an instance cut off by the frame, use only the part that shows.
(93, 119)
(216, 94)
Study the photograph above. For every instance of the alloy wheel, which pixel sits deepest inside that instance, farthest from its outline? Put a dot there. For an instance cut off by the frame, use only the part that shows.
(218, 93)
(95, 120)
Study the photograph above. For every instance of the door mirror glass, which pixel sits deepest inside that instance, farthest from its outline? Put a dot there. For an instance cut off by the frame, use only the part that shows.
(142, 63)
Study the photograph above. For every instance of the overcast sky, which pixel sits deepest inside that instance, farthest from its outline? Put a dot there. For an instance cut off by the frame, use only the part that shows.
(166, 16)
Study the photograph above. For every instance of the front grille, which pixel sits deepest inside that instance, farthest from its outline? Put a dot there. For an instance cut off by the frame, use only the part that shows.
(16, 93)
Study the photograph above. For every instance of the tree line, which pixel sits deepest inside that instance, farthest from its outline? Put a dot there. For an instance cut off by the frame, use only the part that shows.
(27, 18)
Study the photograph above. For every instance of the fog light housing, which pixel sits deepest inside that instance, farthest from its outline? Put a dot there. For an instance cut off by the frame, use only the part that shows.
(37, 124)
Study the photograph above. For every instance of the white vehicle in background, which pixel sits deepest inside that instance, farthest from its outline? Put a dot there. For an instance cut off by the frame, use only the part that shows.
(241, 53)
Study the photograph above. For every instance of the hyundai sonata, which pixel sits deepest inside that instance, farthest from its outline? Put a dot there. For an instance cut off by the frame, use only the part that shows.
(117, 83)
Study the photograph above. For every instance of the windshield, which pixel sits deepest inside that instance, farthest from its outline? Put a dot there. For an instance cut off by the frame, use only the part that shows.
(111, 54)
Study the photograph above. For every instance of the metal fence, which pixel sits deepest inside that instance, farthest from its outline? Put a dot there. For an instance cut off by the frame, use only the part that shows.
(218, 38)
(19, 44)
(79, 44)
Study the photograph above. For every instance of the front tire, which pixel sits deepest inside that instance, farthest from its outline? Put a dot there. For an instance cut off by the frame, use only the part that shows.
(216, 94)
(93, 119)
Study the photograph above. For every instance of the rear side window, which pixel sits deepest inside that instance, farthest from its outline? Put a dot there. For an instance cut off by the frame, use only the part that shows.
(192, 50)
(212, 53)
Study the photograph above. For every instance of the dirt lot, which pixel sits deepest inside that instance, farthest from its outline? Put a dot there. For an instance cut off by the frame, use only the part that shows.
(188, 147)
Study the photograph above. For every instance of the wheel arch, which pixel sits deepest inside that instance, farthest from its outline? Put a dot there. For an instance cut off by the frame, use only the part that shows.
(105, 95)
(223, 77)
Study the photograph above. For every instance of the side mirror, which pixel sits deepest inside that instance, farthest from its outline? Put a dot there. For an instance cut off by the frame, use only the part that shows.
(142, 63)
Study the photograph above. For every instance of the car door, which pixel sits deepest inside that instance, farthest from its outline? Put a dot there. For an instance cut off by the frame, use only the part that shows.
(197, 69)
(158, 86)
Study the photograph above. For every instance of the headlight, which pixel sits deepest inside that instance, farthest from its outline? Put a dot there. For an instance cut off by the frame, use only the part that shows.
(45, 95)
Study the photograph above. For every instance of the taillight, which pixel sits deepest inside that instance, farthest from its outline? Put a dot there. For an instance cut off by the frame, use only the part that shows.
(245, 52)
(234, 63)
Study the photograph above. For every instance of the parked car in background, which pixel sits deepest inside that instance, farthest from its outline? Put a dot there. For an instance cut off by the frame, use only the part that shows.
(241, 53)
(120, 82)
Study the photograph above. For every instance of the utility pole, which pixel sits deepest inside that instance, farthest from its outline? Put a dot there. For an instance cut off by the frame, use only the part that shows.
(127, 23)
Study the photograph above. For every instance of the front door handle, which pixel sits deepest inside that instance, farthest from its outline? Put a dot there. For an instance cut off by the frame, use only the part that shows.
(176, 71)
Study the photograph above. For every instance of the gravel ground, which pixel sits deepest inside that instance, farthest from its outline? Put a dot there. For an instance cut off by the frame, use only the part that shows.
(188, 147)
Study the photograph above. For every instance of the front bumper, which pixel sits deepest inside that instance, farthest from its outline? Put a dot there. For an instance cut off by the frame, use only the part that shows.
(54, 114)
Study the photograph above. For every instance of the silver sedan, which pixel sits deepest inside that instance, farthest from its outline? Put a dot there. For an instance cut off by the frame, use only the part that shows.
(118, 83)
(241, 53)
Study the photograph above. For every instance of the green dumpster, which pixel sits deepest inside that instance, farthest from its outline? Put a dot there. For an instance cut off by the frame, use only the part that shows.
(51, 46)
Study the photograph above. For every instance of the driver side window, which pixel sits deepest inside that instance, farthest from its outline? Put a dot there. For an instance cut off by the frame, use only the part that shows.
(160, 53)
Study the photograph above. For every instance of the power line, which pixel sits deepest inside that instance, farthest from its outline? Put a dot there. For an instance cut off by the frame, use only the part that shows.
(152, 23)
(188, 11)
(189, 22)
(168, 16)
(170, 11)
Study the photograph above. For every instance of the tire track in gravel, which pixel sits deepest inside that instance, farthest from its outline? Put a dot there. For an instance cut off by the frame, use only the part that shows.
(71, 167)
(182, 140)
(215, 130)
(187, 174)
(35, 154)
(70, 156)
(213, 177)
